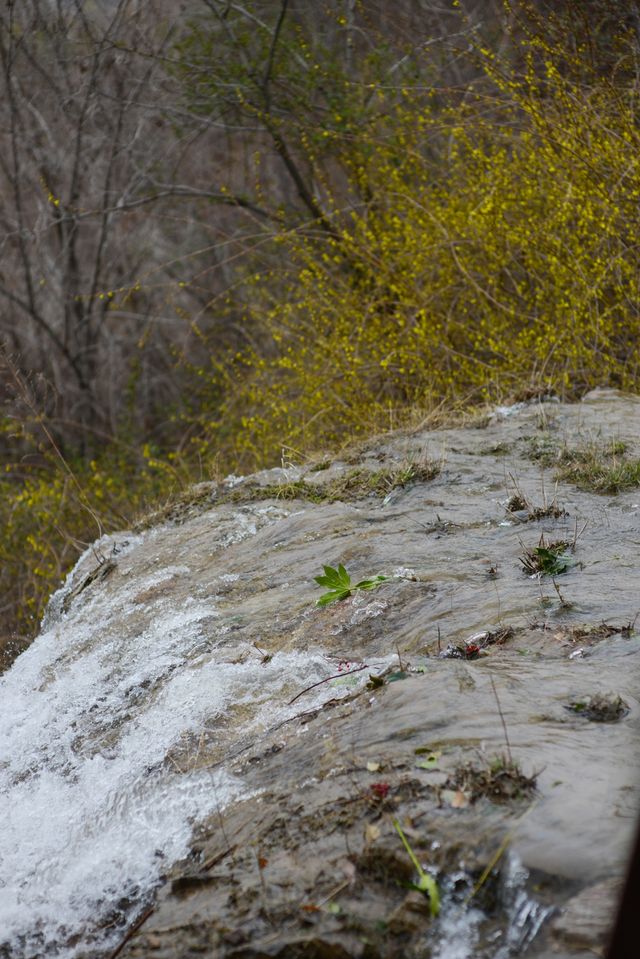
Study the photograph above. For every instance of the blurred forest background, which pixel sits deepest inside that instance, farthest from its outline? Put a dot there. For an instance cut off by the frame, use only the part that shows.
(232, 228)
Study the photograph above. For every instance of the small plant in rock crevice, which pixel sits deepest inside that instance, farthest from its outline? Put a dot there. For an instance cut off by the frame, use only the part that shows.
(425, 884)
(500, 780)
(548, 558)
(600, 469)
(519, 504)
(593, 465)
(600, 708)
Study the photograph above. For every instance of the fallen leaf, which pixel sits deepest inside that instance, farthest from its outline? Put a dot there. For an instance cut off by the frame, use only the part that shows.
(431, 760)
(460, 800)
(371, 832)
(455, 798)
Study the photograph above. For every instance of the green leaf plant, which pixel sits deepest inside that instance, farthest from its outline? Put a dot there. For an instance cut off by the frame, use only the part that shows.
(425, 884)
(340, 586)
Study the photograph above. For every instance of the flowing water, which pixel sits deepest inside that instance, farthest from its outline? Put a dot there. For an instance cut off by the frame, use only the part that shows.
(95, 802)
(174, 660)
(464, 931)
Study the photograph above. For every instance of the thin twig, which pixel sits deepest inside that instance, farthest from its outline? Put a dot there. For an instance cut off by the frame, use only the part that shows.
(274, 43)
(576, 534)
(502, 719)
(334, 892)
(321, 681)
(132, 931)
(210, 863)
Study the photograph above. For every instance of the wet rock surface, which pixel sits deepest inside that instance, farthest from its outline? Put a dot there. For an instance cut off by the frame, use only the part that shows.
(585, 920)
(300, 736)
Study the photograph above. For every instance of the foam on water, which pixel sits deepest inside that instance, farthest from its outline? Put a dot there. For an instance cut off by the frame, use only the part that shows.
(94, 809)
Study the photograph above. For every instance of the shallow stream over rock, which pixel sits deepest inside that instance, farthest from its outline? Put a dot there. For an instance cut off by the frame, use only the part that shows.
(195, 759)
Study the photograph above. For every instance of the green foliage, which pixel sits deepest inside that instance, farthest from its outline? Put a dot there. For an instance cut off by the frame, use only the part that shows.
(340, 586)
(426, 884)
(550, 562)
(548, 559)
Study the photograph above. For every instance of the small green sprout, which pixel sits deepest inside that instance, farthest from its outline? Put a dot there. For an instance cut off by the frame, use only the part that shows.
(425, 884)
(340, 586)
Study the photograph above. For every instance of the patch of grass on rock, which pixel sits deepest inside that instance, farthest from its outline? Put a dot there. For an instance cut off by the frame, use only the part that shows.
(356, 483)
(500, 780)
(600, 708)
(548, 558)
(599, 468)
(594, 466)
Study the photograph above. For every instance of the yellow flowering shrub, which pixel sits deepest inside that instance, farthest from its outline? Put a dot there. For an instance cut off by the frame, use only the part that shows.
(495, 254)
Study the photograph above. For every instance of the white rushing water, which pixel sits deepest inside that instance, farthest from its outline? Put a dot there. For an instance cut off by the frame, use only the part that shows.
(93, 803)
(463, 930)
